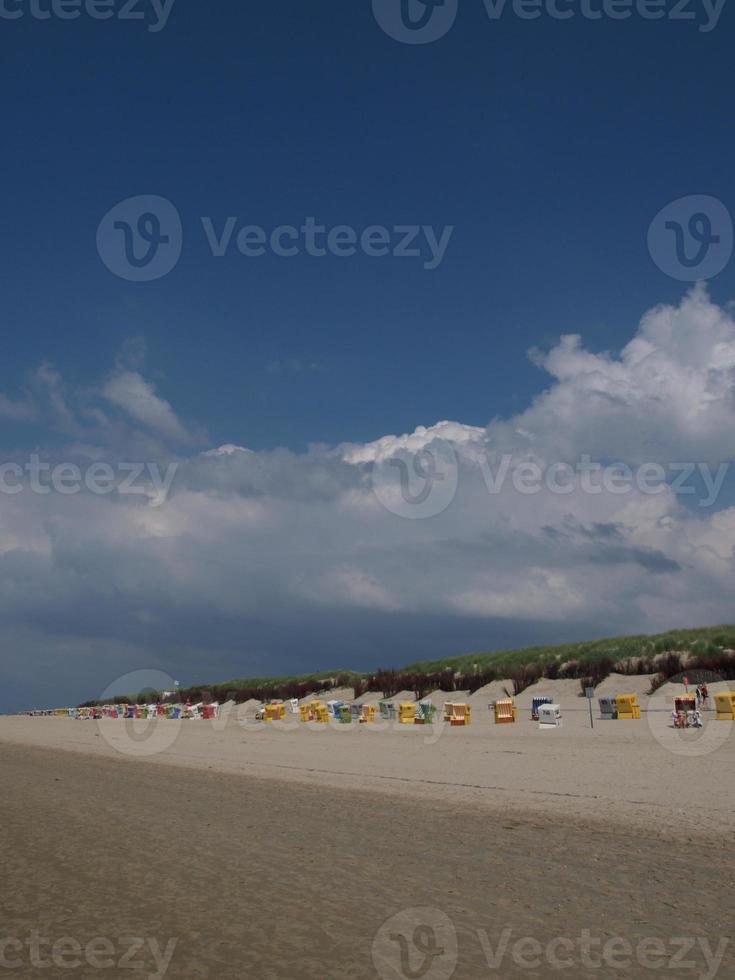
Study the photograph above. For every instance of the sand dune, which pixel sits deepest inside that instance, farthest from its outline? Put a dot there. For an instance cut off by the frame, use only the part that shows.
(372, 697)
(439, 698)
(564, 692)
(614, 684)
(492, 691)
(334, 694)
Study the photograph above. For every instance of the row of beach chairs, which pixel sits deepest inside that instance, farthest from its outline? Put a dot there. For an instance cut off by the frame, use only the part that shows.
(504, 710)
(402, 712)
(174, 712)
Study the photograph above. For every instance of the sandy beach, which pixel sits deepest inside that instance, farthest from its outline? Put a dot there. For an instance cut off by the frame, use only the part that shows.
(281, 852)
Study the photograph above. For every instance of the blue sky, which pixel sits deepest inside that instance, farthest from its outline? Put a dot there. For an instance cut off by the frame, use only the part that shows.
(549, 146)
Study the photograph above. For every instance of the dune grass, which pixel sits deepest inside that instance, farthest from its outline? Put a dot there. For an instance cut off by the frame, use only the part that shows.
(592, 661)
(663, 654)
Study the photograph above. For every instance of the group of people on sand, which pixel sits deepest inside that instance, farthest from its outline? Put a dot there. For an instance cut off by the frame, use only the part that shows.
(692, 719)
(687, 719)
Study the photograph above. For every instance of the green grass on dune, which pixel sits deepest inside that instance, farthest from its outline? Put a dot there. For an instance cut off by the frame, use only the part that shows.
(589, 662)
(708, 639)
(344, 675)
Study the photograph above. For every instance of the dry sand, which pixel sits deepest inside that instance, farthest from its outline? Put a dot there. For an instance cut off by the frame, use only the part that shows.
(672, 689)
(277, 852)
(566, 693)
(614, 684)
(492, 692)
(372, 697)
(248, 708)
(402, 696)
(440, 698)
(334, 694)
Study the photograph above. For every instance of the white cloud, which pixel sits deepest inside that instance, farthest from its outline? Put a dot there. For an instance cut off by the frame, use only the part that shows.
(454, 432)
(542, 594)
(259, 552)
(129, 391)
(226, 450)
(669, 395)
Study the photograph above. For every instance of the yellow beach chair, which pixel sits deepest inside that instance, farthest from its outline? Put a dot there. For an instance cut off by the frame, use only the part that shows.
(319, 712)
(275, 712)
(457, 713)
(505, 711)
(406, 713)
(725, 705)
(628, 707)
